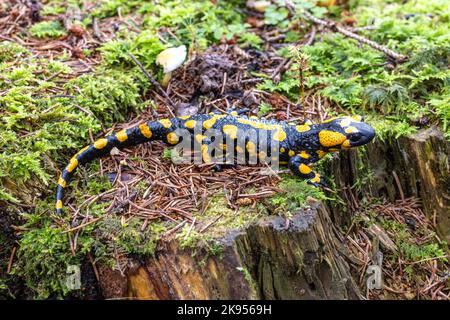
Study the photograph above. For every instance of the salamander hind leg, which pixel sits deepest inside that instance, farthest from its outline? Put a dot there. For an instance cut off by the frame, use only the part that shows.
(301, 168)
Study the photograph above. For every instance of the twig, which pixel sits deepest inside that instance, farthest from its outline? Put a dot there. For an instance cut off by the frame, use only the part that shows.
(11, 259)
(311, 36)
(335, 27)
(154, 82)
(97, 31)
(190, 228)
(83, 225)
(91, 260)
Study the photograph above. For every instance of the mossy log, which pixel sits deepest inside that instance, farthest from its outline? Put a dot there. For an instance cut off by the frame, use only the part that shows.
(266, 260)
(412, 166)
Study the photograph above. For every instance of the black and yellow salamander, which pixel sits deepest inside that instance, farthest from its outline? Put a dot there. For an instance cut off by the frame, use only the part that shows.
(255, 140)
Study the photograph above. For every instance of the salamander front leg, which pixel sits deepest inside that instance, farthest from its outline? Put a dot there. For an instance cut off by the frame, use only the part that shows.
(300, 167)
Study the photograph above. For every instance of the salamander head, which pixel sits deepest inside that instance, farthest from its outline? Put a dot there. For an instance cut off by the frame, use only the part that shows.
(344, 133)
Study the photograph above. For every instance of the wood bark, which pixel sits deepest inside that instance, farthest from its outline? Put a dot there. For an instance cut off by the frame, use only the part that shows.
(264, 261)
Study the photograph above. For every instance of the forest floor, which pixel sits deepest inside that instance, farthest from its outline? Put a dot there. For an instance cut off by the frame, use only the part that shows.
(67, 78)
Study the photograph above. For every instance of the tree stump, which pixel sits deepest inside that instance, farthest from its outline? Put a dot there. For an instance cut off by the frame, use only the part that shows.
(413, 166)
(266, 260)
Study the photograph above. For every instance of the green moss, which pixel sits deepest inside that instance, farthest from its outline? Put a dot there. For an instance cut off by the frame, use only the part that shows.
(295, 196)
(225, 218)
(264, 109)
(195, 241)
(408, 248)
(47, 29)
(230, 218)
(387, 129)
(43, 256)
(43, 123)
(248, 277)
(9, 51)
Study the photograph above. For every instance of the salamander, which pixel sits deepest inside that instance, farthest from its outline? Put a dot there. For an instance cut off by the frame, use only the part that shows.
(252, 139)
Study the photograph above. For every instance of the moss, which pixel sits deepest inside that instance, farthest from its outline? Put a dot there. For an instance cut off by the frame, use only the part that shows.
(47, 29)
(44, 256)
(229, 219)
(9, 51)
(248, 277)
(295, 196)
(387, 129)
(196, 242)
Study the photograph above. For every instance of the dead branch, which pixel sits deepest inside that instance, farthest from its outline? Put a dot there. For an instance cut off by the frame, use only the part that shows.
(154, 82)
(337, 28)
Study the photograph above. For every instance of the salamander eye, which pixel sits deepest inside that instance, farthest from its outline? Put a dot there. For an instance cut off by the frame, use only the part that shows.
(356, 136)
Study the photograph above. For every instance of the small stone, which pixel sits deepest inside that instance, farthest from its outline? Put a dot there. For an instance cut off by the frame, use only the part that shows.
(114, 151)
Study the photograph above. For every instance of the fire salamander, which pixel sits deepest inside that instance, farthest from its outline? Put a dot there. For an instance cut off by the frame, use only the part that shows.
(253, 139)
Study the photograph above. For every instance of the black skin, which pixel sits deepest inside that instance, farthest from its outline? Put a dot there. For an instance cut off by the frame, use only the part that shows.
(250, 139)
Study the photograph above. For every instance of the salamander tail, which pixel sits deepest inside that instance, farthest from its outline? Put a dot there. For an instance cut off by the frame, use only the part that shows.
(125, 138)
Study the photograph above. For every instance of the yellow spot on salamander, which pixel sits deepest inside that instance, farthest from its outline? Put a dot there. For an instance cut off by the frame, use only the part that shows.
(259, 124)
(346, 144)
(145, 130)
(122, 135)
(172, 138)
(303, 128)
(251, 147)
(205, 154)
(279, 135)
(59, 204)
(62, 182)
(304, 155)
(282, 150)
(304, 169)
(316, 178)
(346, 122)
(230, 130)
(81, 151)
(291, 153)
(208, 124)
(100, 143)
(329, 120)
(350, 129)
(199, 138)
(190, 124)
(234, 113)
(321, 153)
(73, 163)
(262, 156)
(357, 118)
(166, 123)
(184, 117)
(330, 138)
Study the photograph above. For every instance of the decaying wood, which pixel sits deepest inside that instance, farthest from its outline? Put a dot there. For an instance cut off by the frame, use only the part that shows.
(264, 261)
(413, 166)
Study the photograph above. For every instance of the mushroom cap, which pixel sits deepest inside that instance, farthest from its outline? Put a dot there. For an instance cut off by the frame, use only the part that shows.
(259, 6)
(172, 58)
